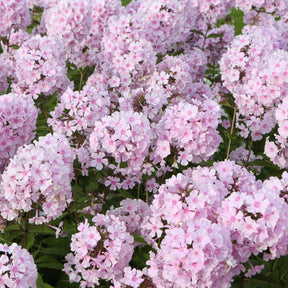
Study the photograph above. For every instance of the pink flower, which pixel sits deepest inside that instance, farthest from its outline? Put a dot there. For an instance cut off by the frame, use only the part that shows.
(132, 277)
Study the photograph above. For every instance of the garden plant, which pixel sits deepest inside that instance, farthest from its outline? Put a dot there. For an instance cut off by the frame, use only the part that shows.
(143, 143)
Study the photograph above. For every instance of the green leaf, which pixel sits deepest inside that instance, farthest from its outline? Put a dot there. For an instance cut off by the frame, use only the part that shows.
(92, 186)
(215, 35)
(48, 261)
(15, 234)
(30, 240)
(198, 32)
(225, 103)
(123, 165)
(237, 16)
(41, 284)
(14, 46)
(14, 227)
(263, 280)
(262, 162)
(125, 2)
(53, 251)
(139, 239)
(57, 266)
(44, 229)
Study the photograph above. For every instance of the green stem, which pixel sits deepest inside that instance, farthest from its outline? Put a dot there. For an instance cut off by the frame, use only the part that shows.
(82, 72)
(231, 131)
(249, 153)
(26, 230)
(76, 192)
(138, 191)
(147, 195)
(45, 111)
(205, 37)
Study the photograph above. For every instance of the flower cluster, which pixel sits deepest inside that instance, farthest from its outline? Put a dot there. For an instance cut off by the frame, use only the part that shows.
(122, 137)
(14, 14)
(223, 205)
(17, 267)
(132, 212)
(38, 178)
(99, 251)
(132, 56)
(279, 7)
(209, 12)
(78, 111)
(40, 66)
(4, 71)
(256, 221)
(196, 248)
(277, 150)
(188, 130)
(18, 117)
(164, 23)
(256, 62)
(87, 51)
(70, 20)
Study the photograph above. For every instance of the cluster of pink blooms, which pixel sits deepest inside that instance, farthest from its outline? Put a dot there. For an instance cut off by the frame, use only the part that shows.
(123, 137)
(18, 117)
(40, 66)
(164, 23)
(70, 20)
(17, 267)
(280, 7)
(132, 212)
(174, 79)
(214, 219)
(132, 57)
(101, 12)
(254, 70)
(38, 178)
(257, 219)
(4, 71)
(84, 108)
(277, 150)
(148, 109)
(99, 251)
(190, 130)
(14, 14)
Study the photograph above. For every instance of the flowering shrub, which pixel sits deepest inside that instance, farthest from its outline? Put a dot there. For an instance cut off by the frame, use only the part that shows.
(143, 145)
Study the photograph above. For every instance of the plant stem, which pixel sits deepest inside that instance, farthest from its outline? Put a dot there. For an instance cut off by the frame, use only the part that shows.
(26, 230)
(249, 153)
(45, 111)
(82, 72)
(138, 192)
(231, 131)
(76, 191)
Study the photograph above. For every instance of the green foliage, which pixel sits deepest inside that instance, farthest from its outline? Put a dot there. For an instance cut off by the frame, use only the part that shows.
(46, 104)
(125, 2)
(234, 18)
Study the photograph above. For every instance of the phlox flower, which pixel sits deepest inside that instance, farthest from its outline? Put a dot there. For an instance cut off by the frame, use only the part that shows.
(14, 15)
(40, 66)
(18, 117)
(17, 267)
(99, 251)
(42, 172)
